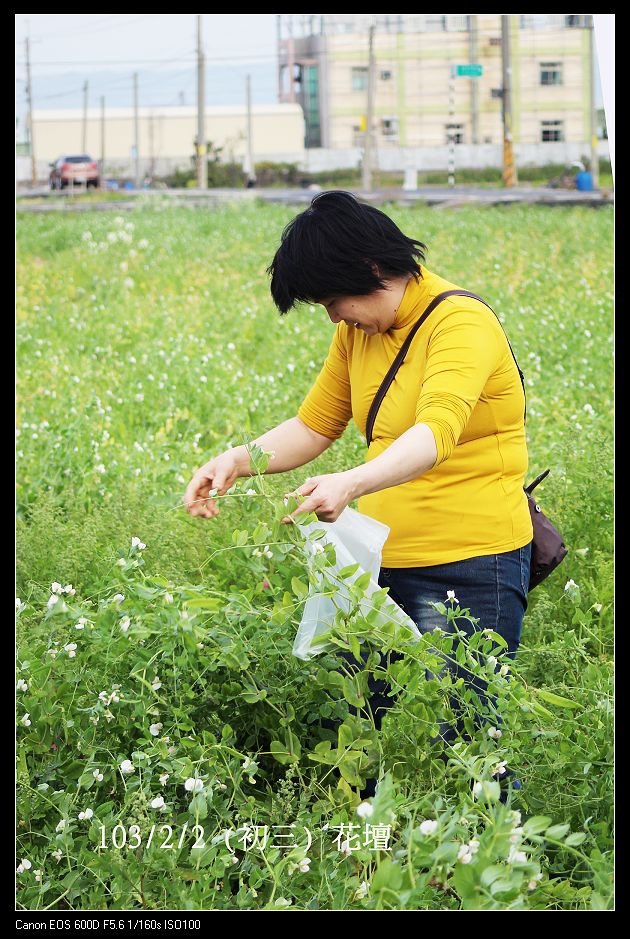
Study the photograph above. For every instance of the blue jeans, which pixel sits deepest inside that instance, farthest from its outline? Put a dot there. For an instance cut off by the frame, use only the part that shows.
(493, 588)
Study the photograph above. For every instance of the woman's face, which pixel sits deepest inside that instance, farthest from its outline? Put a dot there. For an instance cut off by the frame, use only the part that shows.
(372, 313)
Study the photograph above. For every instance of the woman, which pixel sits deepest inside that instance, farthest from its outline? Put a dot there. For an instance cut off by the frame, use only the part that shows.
(447, 459)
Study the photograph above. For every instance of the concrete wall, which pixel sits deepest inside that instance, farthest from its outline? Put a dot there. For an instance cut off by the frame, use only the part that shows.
(169, 133)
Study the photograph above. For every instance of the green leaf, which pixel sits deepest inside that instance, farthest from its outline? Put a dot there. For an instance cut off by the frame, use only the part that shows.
(555, 699)
(491, 874)
(388, 876)
(205, 603)
(198, 806)
(557, 831)
(533, 826)
(363, 581)
(280, 753)
(348, 571)
(299, 588)
(577, 837)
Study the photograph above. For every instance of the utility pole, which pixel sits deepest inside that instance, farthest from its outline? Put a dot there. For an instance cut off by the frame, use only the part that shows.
(136, 130)
(151, 149)
(593, 81)
(84, 130)
(367, 148)
(509, 166)
(29, 99)
(451, 128)
(102, 169)
(473, 35)
(250, 169)
(202, 160)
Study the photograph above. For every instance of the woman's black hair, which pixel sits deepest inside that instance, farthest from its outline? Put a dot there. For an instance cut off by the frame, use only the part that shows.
(333, 249)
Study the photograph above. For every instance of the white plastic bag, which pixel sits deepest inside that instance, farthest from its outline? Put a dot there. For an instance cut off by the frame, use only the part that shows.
(358, 539)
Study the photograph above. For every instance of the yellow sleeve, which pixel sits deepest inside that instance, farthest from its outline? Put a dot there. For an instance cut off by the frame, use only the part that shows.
(327, 407)
(463, 351)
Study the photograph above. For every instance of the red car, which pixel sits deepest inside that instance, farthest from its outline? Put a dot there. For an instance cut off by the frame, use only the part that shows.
(74, 170)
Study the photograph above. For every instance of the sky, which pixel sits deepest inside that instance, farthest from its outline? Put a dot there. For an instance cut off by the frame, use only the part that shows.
(105, 49)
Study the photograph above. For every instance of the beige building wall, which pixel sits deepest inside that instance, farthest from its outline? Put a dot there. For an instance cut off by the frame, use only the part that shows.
(169, 133)
(413, 85)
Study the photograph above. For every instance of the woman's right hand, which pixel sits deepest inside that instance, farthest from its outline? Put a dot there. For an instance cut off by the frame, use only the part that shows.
(214, 478)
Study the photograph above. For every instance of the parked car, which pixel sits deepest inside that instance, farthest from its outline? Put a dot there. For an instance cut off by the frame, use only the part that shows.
(74, 170)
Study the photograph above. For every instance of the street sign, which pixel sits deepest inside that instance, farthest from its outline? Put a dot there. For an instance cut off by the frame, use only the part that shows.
(469, 71)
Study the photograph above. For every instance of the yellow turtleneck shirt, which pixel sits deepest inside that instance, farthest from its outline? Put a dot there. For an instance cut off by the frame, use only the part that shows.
(460, 379)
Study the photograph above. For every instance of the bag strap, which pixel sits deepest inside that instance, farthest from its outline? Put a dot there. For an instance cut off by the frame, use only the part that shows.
(402, 352)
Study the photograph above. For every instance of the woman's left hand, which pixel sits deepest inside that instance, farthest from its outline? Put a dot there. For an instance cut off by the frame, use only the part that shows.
(326, 496)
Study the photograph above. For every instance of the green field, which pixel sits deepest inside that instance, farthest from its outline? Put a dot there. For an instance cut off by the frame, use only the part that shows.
(146, 345)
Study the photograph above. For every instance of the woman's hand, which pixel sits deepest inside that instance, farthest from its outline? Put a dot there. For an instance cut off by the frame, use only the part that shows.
(326, 496)
(214, 478)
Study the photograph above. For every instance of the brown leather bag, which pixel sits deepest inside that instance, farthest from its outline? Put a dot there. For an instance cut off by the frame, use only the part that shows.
(548, 547)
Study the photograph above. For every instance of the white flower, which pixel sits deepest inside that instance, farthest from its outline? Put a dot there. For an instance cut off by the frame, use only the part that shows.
(304, 865)
(155, 729)
(156, 684)
(365, 809)
(516, 817)
(61, 825)
(56, 588)
(136, 543)
(477, 788)
(19, 606)
(81, 623)
(128, 282)
(495, 733)
(428, 826)
(499, 769)
(164, 778)
(52, 600)
(464, 854)
(597, 607)
(473, 846)
(88, 813)
(69, 589)
(517, 857)
(492, 660)
(572, 589)
(143, 243)
(124, 624)
(345, 848)
(516, 835)
(251, 492)
(193, 785)
(100, 468)
(504, 670)
(57, 855)
(71, 649)
(450, 595)
(98, 776)
(24, 865)
(158, 803)
(21, 685)
(127, 767)
(361, 891)
(168, 597)
(247, 763)
(533, 883)
(25, 721)
(38, 876)
(118, 598)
